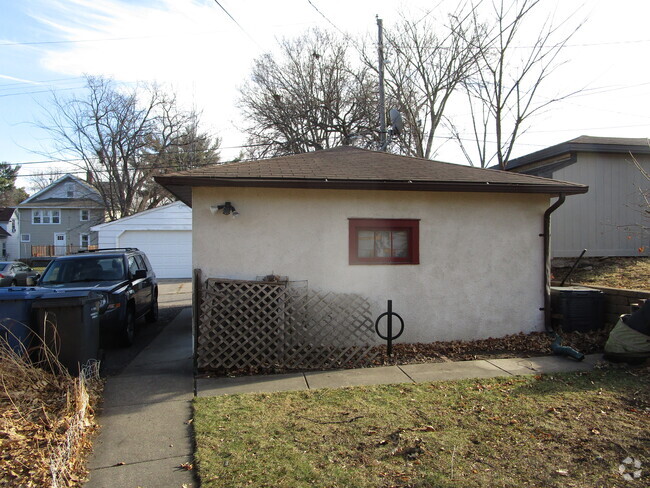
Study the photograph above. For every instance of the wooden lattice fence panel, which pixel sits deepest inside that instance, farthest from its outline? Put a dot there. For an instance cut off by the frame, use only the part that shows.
(241, 325)
(261, 325)
(329, 330)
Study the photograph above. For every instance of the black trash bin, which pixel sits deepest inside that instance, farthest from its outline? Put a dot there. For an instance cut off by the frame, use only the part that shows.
(577, 308)
(16, 317)
(68, 322)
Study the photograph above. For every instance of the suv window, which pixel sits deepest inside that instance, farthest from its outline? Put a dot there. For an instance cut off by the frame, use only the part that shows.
(141, 263)
(100, 268)
(133, 265)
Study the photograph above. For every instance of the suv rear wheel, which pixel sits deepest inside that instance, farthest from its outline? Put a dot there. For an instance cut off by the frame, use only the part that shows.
(128, 330)
(152, 314)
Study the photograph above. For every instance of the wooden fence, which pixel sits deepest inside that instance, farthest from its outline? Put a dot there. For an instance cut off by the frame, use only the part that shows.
(258, 325)
(52, 251)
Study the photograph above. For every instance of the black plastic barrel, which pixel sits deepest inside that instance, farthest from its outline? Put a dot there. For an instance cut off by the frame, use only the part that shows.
(68, 322)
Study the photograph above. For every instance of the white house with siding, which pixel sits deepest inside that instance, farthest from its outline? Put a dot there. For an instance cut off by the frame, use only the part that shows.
(612, 218)
(163, 233)
(459, 250)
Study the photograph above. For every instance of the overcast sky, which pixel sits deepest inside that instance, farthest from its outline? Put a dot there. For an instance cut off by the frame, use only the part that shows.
(195, 48)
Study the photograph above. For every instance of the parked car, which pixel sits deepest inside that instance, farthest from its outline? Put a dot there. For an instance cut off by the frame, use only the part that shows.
(15, 273)
(125, 279)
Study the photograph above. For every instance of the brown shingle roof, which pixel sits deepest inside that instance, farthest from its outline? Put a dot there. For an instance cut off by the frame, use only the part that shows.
(353, 168)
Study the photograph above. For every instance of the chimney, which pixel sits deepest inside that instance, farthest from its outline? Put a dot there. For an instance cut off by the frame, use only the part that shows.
(89, 177)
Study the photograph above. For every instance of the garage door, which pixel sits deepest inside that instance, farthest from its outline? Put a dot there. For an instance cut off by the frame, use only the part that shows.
(170, 251)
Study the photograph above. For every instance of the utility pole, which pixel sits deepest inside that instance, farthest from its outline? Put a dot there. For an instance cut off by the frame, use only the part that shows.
(382, 102)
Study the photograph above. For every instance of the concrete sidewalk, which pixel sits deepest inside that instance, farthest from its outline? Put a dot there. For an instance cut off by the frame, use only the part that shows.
(145, 435)
(410, 373)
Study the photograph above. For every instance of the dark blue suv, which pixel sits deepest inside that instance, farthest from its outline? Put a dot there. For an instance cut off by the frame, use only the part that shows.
(124, 278)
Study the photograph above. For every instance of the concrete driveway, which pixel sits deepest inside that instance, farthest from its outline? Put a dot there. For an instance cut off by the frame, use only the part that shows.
(173, 296)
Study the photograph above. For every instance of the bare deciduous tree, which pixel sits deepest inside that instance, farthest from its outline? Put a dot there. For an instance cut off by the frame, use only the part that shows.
(310, 97)
(43, 178)
(125, 137)
(425, 63)
(644, 199)
(504, 91)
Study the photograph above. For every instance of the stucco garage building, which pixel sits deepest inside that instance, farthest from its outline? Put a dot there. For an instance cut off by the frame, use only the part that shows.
(459, 250)
(163, 233)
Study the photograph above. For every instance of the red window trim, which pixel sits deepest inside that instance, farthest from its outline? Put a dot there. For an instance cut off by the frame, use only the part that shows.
(412, 226)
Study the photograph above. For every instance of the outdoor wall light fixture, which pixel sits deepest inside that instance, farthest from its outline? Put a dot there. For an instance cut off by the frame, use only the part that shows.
(226, 208)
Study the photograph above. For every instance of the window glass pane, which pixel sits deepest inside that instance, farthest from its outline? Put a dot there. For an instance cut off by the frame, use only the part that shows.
(400, 244)
(36, 217)
(133, 266)
(55, 216)
(84, 215)
(46, 217)
(366, 243)
(382, 244)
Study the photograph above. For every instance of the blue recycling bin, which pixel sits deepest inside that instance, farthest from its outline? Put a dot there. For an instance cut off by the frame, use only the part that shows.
(16, 317)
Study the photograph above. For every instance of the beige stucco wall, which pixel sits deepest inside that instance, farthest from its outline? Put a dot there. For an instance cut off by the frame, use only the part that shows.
(481, 264)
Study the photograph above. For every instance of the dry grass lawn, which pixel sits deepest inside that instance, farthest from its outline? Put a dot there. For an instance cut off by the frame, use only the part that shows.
(571, 430)
(630, 273)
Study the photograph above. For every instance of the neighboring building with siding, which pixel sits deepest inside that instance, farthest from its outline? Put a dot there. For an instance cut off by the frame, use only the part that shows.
(612, 218)
(57, 220)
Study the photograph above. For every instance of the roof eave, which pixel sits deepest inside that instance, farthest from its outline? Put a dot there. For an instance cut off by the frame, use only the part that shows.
(571, 148)
(176, 185)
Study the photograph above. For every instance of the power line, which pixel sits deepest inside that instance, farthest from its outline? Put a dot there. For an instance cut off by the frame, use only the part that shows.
(238, 24)
(18, 94)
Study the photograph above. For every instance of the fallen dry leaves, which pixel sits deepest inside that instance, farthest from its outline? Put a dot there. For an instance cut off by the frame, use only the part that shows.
(45, 422)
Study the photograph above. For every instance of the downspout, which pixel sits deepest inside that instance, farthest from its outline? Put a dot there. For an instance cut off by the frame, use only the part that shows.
(547, 260)
(556, 346)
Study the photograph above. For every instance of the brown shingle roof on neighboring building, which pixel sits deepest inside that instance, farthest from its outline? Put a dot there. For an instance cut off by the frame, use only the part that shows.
(360, 169)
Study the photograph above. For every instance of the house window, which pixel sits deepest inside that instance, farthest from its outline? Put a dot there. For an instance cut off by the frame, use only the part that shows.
(384, 241)
(13, 225)
(84, 240)
(4, 249)
(69, 189)
(43, 216)
(83, 215)
(25, 237)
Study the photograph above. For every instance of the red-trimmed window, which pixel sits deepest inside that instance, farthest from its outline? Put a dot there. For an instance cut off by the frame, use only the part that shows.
(384, 241)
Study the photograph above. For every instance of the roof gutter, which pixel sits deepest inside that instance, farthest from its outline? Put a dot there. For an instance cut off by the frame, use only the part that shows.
(330, 184)
(547, 260)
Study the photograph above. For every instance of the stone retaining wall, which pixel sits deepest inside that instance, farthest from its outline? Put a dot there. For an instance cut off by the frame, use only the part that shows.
(618, 301)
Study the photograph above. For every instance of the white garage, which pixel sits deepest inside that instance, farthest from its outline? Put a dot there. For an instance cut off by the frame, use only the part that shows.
(163, 233)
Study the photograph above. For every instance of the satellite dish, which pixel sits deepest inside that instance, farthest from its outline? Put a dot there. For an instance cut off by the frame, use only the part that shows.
(396, 122)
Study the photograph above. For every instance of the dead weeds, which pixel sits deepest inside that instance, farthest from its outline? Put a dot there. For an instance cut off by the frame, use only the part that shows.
(629, 273)
(45, 422)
